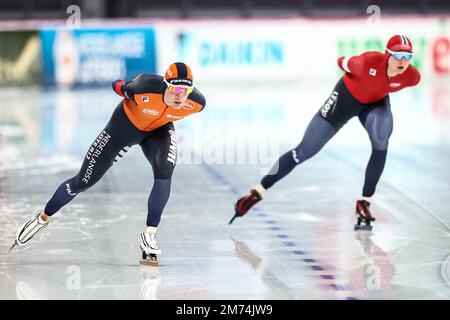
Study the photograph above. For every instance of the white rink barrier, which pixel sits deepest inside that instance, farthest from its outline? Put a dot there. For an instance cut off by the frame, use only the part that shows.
(295, 49)
(290, 50)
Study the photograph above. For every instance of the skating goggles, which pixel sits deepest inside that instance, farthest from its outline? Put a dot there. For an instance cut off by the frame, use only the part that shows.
(400, 55)
(176, 89)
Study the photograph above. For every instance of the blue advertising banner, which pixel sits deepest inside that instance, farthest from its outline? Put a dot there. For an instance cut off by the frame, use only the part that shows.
(96, 56)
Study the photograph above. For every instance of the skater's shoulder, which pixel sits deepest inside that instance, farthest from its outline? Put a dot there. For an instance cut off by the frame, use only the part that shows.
(197, 97)
(373, 56)
(149, 83)
(413, 75)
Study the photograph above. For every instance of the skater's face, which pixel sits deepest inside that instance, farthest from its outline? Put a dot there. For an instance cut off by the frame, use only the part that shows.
(398, 66)
(175, 100)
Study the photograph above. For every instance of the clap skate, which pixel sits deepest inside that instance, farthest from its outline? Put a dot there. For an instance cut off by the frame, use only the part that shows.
(149, 247)
(363, 216)
(149, 259)
(244, 204)
(28, 230)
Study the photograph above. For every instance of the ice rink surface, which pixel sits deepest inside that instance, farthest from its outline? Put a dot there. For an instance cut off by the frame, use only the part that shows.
(298, 243)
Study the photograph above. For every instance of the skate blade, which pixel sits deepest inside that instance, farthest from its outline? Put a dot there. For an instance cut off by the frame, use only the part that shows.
(360, 227)
(232, 219)
(149, 262)
(12, 247)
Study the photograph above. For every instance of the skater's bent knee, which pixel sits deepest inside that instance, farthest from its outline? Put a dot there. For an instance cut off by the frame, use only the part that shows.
(164, 172)
(380, 143)
(303, 152)
(77, 185)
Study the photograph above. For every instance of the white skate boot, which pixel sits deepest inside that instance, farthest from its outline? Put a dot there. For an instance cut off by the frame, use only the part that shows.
(29, 229)
(149, 247)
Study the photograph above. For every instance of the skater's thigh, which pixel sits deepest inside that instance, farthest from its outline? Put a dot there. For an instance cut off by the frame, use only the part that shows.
(340, 106)
(160, 149)
(317, 134)
(108, 147)
(378, 122)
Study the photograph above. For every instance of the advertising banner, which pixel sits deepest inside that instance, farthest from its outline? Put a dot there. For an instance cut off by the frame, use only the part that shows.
(231, 51)
(296, 49)
(96, 56)
(19, 58)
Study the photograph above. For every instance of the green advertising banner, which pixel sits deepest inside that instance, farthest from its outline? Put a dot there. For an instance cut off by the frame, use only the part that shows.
(356, 46)
(20, 58)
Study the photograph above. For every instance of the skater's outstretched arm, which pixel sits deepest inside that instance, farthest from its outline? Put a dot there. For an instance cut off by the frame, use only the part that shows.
(352, 64)
(128, 89)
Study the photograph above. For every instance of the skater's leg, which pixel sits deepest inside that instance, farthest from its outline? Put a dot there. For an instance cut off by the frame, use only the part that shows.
(374, 169)
(157, 201)
(161, 150)
(317, 134)
(378, 123)
(109, 146)
(340, 107)
(90, 173)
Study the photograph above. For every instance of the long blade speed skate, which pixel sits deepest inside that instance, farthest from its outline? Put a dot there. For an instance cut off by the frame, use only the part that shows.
(363, 216)
(244, 204)
(149, 259)
(232, 219)
(28, 230)
(366, 226)
(149, 247)
(14, 244)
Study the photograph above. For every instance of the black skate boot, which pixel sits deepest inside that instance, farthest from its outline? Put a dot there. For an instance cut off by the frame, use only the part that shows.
(363, 215)
(244, 204)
